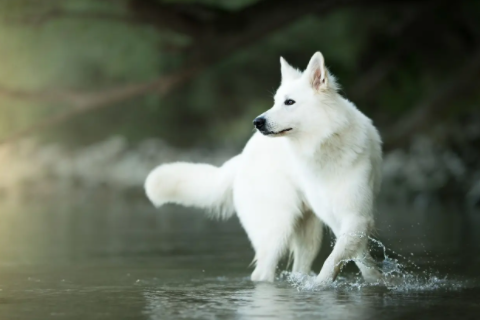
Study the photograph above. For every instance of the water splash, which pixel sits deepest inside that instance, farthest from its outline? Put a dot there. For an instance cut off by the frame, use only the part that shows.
(400, 274)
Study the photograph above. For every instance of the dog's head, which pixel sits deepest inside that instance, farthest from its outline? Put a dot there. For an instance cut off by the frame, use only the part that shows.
(304, 102)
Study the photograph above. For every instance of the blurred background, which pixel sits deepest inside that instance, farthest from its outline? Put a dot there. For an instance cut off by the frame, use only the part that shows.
(116, 81)
(94, 94)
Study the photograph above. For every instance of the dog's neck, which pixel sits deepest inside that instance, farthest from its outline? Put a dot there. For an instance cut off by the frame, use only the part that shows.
(339, 147)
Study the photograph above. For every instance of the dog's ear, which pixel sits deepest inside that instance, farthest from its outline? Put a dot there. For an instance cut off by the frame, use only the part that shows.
(316, 72)
(288, 72)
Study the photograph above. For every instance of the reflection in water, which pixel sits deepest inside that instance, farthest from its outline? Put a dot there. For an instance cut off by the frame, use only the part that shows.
(236, 297)
(265, 300)
(254, 301)
(108, 227)
(279, 302)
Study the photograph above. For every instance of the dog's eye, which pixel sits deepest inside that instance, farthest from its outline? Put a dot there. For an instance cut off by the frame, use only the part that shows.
(289, 102)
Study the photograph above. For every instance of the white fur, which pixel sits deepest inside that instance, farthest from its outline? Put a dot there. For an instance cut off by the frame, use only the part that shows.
(286, 186)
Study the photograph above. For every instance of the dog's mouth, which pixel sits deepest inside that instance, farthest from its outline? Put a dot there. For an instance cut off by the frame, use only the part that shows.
(273, 133)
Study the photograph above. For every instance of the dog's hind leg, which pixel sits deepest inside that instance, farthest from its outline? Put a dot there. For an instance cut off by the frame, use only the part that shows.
(306, 241)
(270, 226)
(267, 205)
(271, 243)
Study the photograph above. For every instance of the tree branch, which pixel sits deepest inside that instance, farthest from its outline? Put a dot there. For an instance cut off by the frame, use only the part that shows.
(59, 13)
(166, 16)
(82, 103)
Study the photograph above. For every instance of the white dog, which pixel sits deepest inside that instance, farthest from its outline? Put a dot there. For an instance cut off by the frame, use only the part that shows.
(315, 161)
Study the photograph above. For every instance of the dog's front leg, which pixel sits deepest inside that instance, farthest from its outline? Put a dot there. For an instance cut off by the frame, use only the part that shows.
(350, 244)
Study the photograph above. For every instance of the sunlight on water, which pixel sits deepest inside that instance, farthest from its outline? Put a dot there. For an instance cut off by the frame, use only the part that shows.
(399, 274)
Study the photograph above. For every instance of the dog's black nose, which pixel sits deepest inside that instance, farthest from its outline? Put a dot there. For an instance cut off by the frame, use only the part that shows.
(259, 123)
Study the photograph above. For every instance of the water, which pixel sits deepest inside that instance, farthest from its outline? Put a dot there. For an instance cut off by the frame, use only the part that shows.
(104, 256)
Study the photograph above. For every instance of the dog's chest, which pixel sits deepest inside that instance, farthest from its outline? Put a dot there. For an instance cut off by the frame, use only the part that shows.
(321, 191)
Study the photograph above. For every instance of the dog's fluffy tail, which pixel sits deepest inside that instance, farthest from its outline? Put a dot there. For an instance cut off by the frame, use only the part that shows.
(198, 185)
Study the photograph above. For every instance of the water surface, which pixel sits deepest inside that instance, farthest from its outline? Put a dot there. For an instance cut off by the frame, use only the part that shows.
(110, 257)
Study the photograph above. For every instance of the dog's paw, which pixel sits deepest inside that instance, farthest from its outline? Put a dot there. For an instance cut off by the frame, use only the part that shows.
(323, 282)
(259, 275)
